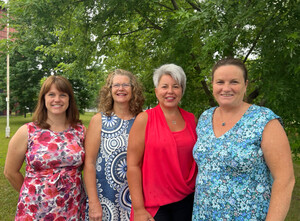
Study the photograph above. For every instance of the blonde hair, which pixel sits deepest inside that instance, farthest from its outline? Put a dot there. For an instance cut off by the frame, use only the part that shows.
(106, 100)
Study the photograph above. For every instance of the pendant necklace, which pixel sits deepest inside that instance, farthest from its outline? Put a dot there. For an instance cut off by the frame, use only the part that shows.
(173, 121)
(224, 122)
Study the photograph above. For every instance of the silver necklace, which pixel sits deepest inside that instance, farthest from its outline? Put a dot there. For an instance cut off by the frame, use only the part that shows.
(173, 121)
(224, 123)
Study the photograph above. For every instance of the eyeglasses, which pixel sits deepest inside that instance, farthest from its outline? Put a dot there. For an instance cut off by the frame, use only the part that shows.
(119, 85)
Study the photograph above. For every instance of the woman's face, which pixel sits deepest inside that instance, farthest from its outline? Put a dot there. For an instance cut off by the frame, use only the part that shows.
(121, 89)
(229, 86)
(56, 102)
(168, 91)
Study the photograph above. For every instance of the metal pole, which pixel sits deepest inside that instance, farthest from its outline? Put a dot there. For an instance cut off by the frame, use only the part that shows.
(7, 130)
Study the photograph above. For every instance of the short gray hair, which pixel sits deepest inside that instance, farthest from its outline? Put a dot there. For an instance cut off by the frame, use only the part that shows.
(175, 71)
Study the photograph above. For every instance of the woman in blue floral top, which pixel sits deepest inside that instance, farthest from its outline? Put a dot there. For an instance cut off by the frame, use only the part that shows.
(105, 165)
(243, 155)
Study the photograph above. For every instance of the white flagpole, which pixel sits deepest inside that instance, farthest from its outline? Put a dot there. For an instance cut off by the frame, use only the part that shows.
(7, 130)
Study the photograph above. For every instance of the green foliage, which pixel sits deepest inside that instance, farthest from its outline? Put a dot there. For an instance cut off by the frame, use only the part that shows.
(35, 53)
(83, 40)
(293, 135)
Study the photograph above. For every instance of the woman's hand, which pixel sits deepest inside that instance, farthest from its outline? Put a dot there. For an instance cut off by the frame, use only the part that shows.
(95, 211)
(142, 215)
(17, 148)
(92, 144)
(135, 153)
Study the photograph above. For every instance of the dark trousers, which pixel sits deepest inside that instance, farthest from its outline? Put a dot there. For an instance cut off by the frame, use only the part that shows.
(178, 211)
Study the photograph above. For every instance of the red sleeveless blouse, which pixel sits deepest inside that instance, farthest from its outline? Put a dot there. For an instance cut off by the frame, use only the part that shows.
(163, 181)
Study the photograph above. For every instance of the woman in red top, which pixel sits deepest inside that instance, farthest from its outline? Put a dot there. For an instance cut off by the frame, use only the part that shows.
(161, 170)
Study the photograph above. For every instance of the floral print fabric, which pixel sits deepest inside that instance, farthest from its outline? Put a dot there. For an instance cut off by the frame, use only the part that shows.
(52, 187)
(233, 181)
(111, 168)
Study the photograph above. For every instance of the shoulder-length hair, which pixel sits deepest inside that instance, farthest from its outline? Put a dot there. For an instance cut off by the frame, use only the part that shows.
(175, 71)
(62, 84)
(106, 102)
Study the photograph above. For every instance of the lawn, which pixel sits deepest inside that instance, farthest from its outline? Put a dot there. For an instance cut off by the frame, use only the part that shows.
(9, 197)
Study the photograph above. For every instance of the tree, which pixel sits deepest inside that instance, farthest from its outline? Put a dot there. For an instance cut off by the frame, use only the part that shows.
(93, 37)
(140, 35)
(30, 61)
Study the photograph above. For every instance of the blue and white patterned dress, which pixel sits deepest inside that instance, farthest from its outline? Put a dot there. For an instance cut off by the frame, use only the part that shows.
(111, 168)
(233, 181)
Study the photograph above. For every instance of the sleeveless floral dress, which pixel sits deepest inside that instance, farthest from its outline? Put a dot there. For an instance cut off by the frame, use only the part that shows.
(233, 181)
(111, 168)
(52, 187)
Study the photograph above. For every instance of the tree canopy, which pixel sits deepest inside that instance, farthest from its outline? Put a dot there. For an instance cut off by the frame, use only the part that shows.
(84, 39)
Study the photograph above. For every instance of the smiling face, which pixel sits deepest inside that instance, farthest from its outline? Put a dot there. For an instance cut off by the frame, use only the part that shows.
(168, 91)
(229, 86)
(56, 102)
(121, 89)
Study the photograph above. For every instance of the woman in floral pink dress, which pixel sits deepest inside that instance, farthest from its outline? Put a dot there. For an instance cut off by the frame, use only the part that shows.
(52, 147)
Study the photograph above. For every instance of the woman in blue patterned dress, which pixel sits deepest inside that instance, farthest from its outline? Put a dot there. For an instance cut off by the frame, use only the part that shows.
(105, 166)
(243, 155)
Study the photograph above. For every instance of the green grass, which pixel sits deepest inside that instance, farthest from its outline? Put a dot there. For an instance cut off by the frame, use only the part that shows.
(294, 212)
(9, 197)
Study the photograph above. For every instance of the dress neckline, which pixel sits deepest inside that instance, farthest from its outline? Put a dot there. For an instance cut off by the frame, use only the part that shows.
(60, 132)
(235, 125)
(113, 114)
(166, 123)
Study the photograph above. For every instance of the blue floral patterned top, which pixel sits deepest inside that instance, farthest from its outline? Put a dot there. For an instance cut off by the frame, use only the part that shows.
(233, 181)
(111, 168)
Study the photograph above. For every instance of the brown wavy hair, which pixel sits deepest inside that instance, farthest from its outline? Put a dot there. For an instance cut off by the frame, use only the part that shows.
(62, 84)
(106, 102)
